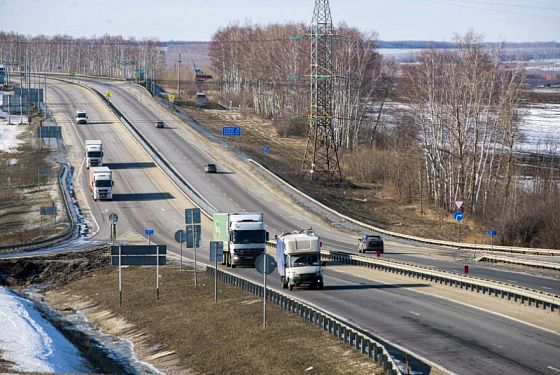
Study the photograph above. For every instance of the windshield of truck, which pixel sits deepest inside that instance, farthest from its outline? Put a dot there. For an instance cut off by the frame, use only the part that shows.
(81, 115)
(304, 260)
(248, 236)
(94, 154)
(103, 183)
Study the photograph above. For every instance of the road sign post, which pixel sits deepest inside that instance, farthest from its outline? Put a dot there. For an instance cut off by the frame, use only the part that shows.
(266, 151)
(157, 273)
(113, 218)
(149, 233)
(138, 255)
(192, 220)
(216, 254)
(458, 217)
(492, 234)
(181, 237)
(265, 264)
(120, 277)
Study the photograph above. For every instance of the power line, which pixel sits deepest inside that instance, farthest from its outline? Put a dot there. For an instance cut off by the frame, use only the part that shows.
(465, 5)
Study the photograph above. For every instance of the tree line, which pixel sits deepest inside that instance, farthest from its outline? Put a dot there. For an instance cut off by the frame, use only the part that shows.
(454, 133)
(111, 56)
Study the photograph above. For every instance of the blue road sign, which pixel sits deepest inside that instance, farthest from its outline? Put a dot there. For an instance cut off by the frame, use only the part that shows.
(192, 215)
(231, 131)
(216, 251)
(194, 235)
(492, 232)
(148, 232)
(266, 149)
(459, 216)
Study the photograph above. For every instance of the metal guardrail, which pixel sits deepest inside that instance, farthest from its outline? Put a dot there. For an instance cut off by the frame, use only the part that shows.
(531, 297)
(352, 335)
(460, 245)
(69, 233)
(523, 262)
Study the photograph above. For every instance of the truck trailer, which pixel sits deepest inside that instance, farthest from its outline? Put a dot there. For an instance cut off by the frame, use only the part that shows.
(94, 153)
(101, 183)
(243, 236)
(299, 260)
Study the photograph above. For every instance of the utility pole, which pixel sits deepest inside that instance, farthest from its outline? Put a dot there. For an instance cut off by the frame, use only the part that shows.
(179, 76)
(320, 160)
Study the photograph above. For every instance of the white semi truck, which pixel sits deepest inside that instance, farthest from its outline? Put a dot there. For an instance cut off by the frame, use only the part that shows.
(299, 260)
(101, 183)
(243, 236)
(94, 153)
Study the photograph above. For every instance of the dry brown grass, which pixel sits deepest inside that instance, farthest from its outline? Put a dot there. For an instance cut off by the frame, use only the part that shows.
(208, 338)
(21, 197)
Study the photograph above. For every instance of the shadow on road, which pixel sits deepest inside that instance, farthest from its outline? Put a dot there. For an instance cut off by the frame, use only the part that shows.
(99, 122)
(374, 286)
(142, 197)
(129, 165)
(223, 172)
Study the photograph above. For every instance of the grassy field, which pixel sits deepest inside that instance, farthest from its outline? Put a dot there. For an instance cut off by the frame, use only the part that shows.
(187, 332)
(22, 194)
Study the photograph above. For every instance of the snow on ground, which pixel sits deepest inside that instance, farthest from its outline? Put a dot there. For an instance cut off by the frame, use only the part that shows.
(541, 128)
(9, 137)
(31, 342)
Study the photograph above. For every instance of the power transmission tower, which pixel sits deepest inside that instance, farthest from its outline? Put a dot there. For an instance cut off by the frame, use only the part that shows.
(321, 159)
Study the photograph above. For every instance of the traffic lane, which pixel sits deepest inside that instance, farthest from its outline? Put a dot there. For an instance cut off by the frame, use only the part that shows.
(542, 283)
(142, 195)
(459, 338)
(276, 219)
(237, 189)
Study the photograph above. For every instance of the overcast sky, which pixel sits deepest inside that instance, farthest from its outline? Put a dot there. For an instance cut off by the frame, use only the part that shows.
(497, 20)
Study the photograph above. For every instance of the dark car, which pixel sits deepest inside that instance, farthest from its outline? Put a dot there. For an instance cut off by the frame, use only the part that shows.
(370, 242)
(159, 124)
(210, 168)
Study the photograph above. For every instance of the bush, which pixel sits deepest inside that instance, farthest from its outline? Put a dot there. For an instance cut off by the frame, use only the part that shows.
(291, 127)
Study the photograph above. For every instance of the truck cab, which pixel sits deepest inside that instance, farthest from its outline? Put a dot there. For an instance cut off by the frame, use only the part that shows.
(299, 260)
(101, 183)
(243, 235)
(81, 117)
(94, 153)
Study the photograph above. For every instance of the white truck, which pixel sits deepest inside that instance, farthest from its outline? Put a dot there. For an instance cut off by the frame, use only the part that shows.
(243, 236)
(101, 183)
(81, 117)
(94, 153)
(299, 260)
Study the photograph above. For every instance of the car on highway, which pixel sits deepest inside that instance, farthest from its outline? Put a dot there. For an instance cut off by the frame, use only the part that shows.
(81, 117)
(370, 242)
(210, 168)
(159, 124)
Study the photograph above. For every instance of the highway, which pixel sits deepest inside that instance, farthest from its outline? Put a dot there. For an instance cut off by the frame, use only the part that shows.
(239, 187)
(460, 338)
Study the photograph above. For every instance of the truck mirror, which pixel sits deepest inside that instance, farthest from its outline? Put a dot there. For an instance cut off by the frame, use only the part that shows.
(267, 236)
(112, 183)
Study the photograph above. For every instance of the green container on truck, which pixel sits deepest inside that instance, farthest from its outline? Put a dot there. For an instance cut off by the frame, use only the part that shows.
(243, 236)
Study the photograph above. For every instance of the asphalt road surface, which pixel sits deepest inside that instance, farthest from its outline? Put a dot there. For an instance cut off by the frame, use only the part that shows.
(462, 339)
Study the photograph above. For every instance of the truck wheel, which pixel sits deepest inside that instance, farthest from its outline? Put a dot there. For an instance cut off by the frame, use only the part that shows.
(290, 285)
(284, 285)
(321, 286)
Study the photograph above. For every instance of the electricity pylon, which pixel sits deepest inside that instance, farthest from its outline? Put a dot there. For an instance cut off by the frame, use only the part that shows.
(320, 161)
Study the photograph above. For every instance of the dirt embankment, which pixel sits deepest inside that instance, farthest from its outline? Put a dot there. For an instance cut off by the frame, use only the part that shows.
(23, 190)
(185, 331)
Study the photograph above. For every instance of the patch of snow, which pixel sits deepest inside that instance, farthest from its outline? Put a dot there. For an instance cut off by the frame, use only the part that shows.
(9, 137)
(31, 342)
(541, 128)
(11, 161)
